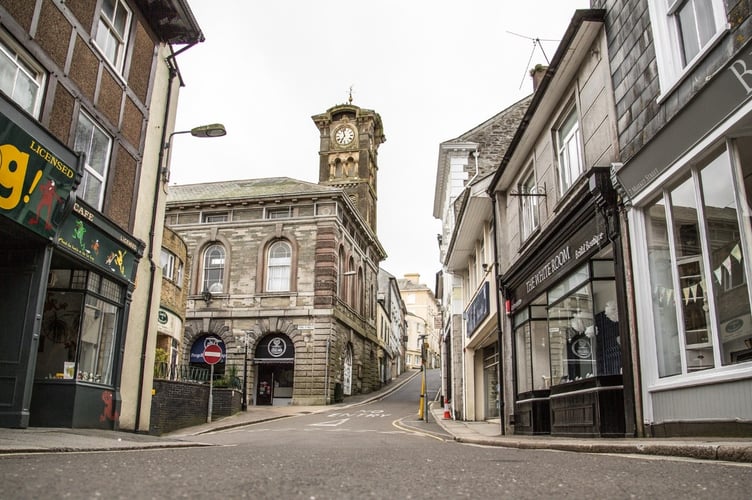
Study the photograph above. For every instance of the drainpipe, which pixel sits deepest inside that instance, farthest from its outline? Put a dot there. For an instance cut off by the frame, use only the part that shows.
(174, 72)
(499, 310)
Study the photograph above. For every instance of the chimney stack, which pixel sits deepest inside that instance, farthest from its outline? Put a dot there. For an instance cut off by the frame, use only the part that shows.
(537, 73)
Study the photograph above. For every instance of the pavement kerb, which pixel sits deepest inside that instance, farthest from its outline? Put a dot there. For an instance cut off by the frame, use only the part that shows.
(730, 452)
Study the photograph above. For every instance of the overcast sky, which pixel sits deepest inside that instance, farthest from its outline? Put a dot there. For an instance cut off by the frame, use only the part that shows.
(432, 69)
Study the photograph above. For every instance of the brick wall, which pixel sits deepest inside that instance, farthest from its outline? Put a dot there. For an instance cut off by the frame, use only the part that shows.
(176, 405)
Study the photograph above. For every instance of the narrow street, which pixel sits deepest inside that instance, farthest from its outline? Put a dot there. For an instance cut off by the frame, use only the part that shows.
(376, 450)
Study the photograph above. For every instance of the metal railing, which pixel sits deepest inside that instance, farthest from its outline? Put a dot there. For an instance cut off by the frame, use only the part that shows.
(181, 373)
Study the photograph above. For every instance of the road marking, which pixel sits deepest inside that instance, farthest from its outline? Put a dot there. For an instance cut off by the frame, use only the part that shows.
(330, 423)
(361, 414)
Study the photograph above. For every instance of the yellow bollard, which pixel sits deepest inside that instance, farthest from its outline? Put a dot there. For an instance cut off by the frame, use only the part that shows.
(422, 395)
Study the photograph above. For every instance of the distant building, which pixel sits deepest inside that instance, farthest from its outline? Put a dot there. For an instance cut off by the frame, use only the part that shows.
(423, 320)
(395, 312)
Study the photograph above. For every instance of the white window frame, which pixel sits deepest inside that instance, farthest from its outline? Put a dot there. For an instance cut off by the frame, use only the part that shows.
(167, 261)
(208, 265)
(108, 36)
(215, 217)
(672, 69)
(569, 147)
(278, 213)
(26, 68)
(90, 170)
(278, 267)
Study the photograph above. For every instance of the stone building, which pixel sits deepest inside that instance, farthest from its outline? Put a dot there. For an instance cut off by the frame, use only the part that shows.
(286, 270)
(681, 77)
(90, 100)
(423, 321)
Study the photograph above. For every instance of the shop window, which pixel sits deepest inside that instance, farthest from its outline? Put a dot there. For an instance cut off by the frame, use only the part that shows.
(684, 30)
(21, 78)
(696, 254)
(570, 334)
(96, 144)
(213, 269)
(569, 147)
(278, 267)
(112, 31)
(491, 381)
(533, 356)
(79, 328)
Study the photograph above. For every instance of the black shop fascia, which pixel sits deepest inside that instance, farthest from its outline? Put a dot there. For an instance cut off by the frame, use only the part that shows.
(562, 302)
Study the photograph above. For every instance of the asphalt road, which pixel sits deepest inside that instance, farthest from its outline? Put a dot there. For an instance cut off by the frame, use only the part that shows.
(377, 450)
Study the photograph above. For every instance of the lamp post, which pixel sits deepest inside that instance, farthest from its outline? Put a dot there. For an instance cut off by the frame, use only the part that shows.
(245, 340)
(212, 130)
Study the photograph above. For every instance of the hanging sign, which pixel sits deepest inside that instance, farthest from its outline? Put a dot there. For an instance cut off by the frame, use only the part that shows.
(88, 235)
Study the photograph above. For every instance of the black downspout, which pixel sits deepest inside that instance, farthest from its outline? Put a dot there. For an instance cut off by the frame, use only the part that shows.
(152, 230)
(499, 311)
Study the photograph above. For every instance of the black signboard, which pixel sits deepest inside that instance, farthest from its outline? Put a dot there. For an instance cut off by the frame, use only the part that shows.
(88, 235)
(38, 174)
(478, 310)
(585, 242)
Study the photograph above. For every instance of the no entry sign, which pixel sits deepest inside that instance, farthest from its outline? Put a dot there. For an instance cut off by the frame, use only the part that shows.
(212, 354)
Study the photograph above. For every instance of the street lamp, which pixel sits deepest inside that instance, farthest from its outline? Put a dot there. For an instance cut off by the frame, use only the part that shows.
(212, 130)
(245, 339)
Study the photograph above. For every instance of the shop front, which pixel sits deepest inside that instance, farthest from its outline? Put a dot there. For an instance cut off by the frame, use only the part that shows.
(564, 309)
(69, 271)
(275, 368)
(691, 233)
(482, 357)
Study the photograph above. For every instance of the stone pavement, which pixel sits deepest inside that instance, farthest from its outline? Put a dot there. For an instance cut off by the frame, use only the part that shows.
(38, 440)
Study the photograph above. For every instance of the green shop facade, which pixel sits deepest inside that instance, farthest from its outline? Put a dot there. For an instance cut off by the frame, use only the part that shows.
(67, 275)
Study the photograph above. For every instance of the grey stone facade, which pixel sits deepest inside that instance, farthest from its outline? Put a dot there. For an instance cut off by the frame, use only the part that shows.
(325, 313)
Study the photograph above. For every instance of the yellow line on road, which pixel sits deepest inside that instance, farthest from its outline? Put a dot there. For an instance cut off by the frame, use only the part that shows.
(411, 430)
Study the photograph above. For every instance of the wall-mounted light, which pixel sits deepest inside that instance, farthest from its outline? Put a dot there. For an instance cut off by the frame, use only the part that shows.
(212, 130)
(207, 296)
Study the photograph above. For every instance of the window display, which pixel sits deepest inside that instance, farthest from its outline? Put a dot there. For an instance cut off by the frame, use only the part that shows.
(701, 303)
(78, 328)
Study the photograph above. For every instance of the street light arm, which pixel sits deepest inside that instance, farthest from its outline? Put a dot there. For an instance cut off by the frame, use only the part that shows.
(212, 130)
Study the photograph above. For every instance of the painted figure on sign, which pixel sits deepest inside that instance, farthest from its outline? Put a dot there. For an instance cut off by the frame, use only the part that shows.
(46, 203)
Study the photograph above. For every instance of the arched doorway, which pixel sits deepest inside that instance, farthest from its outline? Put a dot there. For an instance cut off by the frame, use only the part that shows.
(275, 365)
(347, 372)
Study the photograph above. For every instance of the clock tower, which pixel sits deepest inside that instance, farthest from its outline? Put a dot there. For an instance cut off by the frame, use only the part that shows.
(348, 154)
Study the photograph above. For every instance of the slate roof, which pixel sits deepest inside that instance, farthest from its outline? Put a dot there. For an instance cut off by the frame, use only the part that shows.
(268, 187)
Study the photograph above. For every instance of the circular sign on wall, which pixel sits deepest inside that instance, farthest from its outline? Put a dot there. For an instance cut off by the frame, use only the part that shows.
(277, 347)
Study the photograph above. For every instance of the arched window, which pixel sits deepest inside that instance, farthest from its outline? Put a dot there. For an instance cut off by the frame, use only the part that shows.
(214, 269)
(278, 260)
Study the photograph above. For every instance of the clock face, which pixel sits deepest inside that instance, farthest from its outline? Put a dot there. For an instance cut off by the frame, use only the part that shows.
(344, 136)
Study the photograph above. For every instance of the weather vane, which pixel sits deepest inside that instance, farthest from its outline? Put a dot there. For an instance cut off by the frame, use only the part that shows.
(349, 99)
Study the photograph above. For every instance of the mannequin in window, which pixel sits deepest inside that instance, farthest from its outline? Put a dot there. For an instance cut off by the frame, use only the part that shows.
(579, 349)
(608, 347)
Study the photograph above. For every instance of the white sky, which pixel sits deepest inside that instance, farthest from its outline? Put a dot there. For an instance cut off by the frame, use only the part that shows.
(431, 69)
